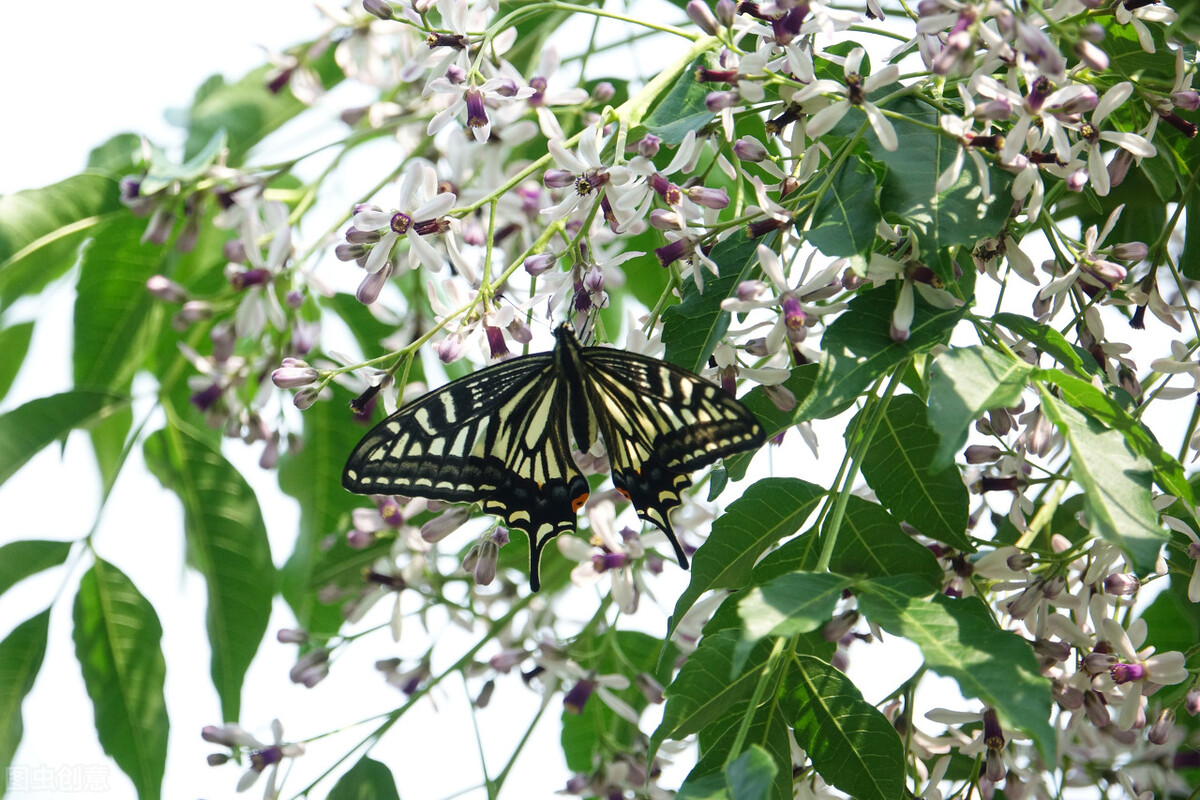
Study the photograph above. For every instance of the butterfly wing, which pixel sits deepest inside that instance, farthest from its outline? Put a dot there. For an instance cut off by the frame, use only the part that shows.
(660, 423)
(497, 437)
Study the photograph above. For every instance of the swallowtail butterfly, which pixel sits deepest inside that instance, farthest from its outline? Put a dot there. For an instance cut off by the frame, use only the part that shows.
(503, 435)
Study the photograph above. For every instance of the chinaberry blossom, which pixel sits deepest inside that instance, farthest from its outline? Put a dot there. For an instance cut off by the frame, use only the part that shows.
(853, 93)
(374, 233)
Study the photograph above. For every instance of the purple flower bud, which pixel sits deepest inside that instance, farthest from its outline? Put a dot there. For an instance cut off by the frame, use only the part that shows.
(294, 374)
(719, 101)
(749, 290)
(839, 626)
(1188, 100)
(726, 12)
(1161, 729)
(1077, 180)
(1121, 584)
(603, 91)
(484, 570)
(540, 263)
(372, 285)
(664, 220)
(648, 146)
(1053, 650)
(780, 396)
(1067, 697)
(1095, 58)
(291, 636)
(158, 230)
(1191, 703)
(1108, 273)
(558, 179)
(449, 349)
(485, 694)
(1130, 251)
(166, 289)
(649, 686)
(1097, 712)
(1019, 562)
(349, 252)
(496, 344)
(983, 454)
(310, 668)
(206, 398)
(748, 148)
(993, 766)
(217, 759)
(445, 523)
(699, 13)
(708, 198)
(379, 8)
(356, 236)
(306, 397)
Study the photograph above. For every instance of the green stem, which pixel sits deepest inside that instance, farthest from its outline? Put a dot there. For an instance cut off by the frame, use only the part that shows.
(859, 446)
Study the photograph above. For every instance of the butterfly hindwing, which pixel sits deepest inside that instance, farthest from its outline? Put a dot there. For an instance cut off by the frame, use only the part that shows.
(660, 423)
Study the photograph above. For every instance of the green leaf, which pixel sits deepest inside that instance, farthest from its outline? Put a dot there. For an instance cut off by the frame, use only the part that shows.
(858, 348)
(964, 382)
(798, 602)
(113, 310)
(1050, 342)
(765, 513)
(21, 655)
(25, 430)
(245, 111)
(597, 729)
(19, 560)
(367, 780)
(707, 686)
(117, 641)
(1102, 407)
(844, 222)
(14, 344)
(750, 775)
(960, 640)
(871, 543)
(897, 466)
(959, 216)
(769, 730)
(227, 542)
(163, 172)
(852, 744)
(692, 329)
(40, 229)
(1115, 483)
(118, 156)
(682, 110)
(313, 475)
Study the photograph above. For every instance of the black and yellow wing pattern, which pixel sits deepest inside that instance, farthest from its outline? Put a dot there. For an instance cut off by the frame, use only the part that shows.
(502, 437)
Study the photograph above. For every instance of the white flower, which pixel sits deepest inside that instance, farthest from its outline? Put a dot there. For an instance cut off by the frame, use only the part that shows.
(419, 215)
(854, 93)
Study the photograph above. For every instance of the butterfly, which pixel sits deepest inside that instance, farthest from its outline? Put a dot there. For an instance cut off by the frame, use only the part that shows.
(502, 437)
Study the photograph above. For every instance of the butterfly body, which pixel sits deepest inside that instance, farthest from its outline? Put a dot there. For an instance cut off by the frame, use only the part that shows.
(502, 437)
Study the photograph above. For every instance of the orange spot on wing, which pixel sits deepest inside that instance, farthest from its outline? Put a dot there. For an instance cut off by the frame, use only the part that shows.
(624, 493)
(578, 502)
